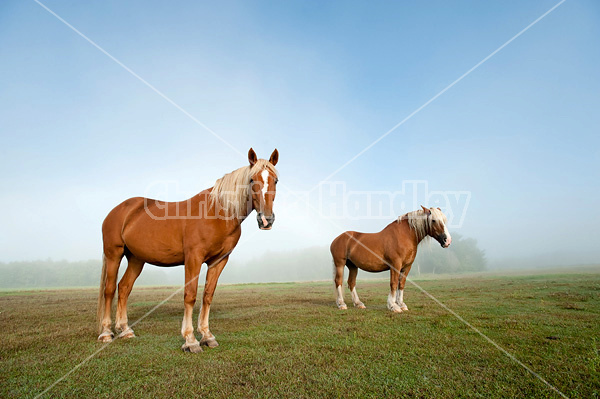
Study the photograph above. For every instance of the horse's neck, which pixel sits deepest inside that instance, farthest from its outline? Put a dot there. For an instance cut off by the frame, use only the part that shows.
(231, 222)
(240, 218)
(404, 230)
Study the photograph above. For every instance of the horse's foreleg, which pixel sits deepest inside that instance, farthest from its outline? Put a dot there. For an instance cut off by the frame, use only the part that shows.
(394, 278)
(192, 271)
(352, 272)
(212, 276)
(400, 295)
(134, 268)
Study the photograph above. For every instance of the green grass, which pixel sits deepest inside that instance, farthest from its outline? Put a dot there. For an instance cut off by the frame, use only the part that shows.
(289, 340)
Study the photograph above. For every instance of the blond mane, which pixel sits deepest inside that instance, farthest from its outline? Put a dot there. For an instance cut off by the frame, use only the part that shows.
(421, 223)
(232, 190)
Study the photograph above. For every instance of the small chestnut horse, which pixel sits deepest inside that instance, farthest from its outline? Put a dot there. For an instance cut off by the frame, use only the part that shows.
(202, 229)
(394, 249)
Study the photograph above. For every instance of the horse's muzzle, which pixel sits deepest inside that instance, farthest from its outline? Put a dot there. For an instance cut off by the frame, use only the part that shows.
(444, 240)
(265, 222)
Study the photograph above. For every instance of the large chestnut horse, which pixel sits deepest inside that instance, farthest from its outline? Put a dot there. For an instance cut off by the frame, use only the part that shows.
(394, 249)
(202, 229)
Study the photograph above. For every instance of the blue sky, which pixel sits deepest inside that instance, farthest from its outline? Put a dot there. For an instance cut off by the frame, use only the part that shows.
(319, 81)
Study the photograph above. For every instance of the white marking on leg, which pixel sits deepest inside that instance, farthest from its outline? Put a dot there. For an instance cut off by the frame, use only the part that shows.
(208, 338)
(356, 300)
(203, 321)
(400, 300)
(127, 333)
(106, 336)
(354, 296)
(391, 300)
(340, 298)
(187, 330)
(391, 303)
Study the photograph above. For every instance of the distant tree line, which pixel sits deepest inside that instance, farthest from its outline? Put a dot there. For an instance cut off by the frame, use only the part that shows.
(56, 274)
(461, 257)
(295, 265)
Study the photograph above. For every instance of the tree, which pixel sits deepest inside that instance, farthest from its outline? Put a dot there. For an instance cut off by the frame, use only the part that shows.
(462, 256)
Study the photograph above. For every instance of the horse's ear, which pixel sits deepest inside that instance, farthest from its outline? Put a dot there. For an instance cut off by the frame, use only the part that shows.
(274, 157)
(426, 210)
(440, 209)
(252, 157)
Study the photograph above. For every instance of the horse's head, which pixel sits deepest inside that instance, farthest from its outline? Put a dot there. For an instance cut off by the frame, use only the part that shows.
(437, 226)
(263, 183)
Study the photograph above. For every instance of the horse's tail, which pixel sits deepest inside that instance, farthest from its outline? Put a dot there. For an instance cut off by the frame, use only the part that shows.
(333, 269)
(101, 301)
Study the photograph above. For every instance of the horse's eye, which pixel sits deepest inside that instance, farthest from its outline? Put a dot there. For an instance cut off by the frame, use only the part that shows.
(251, 181)
(433, 220)
(276, 180)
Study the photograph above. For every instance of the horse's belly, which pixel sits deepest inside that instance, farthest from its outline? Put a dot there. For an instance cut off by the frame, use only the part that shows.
(369, 265)
(157, 256)
(154, 243)
(370, 260)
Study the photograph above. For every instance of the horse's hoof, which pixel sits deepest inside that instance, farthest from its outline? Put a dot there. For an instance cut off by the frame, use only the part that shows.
(192, 348)
(404, 307)
(210, 342)
(342, 306)
(128, 333)
(360, 306)
(395, 309)
(105, 337)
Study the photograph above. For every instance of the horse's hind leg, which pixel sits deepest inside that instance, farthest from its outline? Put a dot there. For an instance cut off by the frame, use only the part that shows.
(353, 271)
(112, 262)
(338, 279)
(134, 268)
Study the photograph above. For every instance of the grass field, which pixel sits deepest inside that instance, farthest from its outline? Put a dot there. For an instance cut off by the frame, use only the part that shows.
(289, 340)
